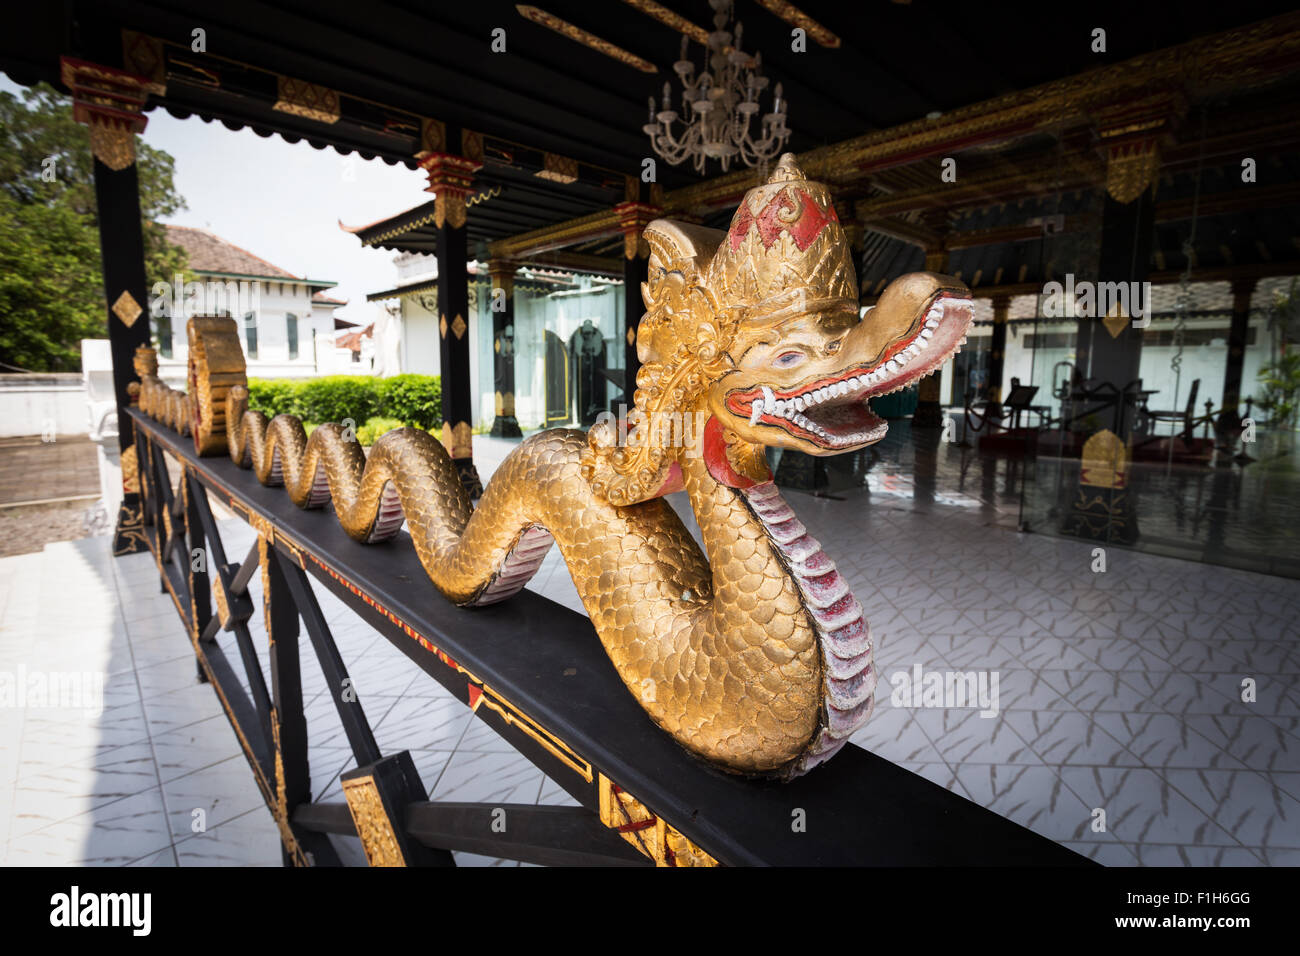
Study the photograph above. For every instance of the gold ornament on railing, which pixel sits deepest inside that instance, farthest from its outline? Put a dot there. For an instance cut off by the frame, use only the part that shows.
(751, 651)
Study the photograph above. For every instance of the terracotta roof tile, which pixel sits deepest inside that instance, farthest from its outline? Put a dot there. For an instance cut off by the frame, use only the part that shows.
(210, 253)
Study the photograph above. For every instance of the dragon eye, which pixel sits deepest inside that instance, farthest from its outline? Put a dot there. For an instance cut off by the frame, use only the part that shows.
(788, 359)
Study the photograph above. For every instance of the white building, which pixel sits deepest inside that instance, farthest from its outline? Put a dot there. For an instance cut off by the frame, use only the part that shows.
(412, 307)
(285, 321)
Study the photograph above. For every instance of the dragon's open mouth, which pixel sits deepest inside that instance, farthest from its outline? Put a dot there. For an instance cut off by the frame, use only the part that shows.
(833, 410)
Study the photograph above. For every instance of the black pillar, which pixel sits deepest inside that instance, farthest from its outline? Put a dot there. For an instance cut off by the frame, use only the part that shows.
(121, 244)
(450, 179)
(504, 424)
(1112, 352)
(634, 273)
(1242, 289)
(997, 353)
(929, 401)
(1109, 351)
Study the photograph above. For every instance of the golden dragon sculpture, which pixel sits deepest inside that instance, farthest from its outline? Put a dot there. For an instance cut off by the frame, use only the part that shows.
(750, 651)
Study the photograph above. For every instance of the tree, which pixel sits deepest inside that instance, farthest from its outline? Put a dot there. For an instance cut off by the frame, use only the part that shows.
(51, 283)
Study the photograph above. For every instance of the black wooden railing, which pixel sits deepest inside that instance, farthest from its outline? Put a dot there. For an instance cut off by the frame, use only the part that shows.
(532, 670)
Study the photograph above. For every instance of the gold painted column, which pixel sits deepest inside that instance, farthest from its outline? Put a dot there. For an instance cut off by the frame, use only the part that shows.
(502, 299)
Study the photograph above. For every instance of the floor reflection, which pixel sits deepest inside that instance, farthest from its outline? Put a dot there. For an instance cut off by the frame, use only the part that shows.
(1237, 516)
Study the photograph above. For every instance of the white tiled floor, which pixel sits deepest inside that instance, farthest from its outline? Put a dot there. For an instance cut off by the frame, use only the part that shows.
(1119, 692)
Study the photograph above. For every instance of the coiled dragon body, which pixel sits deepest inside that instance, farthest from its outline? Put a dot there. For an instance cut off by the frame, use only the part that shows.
(749, 650)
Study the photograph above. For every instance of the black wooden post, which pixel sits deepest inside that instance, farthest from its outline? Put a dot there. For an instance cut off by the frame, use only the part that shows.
(997, 354)
(110, 102)
(1242, 290)
(121, 243)
(502, 298)
(288, 722)
(929, 401)
(642, 204)
(451, 157)
(199, 556)
(378, 796)
(634, 273)
(1111, 351)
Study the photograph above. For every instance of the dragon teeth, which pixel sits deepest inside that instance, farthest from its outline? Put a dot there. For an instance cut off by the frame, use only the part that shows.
(769, 400)
(755, 412)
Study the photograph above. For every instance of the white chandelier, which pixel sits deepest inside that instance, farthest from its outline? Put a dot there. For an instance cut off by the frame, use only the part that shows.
(718, 107)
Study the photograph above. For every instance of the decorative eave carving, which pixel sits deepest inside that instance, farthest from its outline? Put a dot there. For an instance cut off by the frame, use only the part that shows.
(308, 100)
(109, 101)
(592, 226)
(143, 55)
(558, 169)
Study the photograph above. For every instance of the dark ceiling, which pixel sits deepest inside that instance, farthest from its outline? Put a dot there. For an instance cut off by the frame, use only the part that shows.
(395, 61)
(896, 62)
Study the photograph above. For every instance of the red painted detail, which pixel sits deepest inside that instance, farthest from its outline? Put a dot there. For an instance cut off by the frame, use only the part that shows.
(674, 481)
(791, 210)
(633, 827)
(475, 695)
(715, 457)
(741, 226)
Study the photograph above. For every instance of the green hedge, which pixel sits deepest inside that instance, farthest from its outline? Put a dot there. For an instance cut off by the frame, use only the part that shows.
(410, 399)
(370, 432)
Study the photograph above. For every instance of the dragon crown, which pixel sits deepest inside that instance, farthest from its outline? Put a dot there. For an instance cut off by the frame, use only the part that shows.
(784, 253)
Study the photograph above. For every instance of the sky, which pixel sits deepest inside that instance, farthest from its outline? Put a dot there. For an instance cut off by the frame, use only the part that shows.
(284, 201)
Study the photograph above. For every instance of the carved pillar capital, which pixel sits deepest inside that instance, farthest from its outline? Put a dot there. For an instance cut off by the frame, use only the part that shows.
(633, 217)
(109, 101)
(502, 273)
(451, 180)
(450, 162)
(1131, 134)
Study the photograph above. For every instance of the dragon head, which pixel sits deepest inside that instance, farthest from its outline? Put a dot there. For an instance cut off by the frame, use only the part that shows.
(759, 328)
